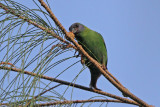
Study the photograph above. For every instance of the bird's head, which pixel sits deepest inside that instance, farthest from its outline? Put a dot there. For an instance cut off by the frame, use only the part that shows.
(76, 28)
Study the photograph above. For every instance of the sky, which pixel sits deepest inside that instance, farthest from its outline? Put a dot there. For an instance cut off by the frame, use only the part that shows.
(131, 31)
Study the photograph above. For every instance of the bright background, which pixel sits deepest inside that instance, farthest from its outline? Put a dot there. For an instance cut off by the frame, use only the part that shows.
(131, 30)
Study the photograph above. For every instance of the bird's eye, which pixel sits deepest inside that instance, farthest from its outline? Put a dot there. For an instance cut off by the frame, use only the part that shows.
(76, 25)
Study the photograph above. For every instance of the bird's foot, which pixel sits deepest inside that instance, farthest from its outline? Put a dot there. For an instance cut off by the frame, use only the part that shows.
(82, 60)
(71, 34)
(95, 88)
(98, 89)
(103, 67)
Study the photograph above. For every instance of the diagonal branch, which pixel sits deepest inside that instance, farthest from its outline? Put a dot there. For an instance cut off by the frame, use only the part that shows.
(118, 86)
(10, 10)
(124, 100)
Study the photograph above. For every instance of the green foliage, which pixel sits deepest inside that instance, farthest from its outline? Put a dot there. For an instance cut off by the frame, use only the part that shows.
(29, 48)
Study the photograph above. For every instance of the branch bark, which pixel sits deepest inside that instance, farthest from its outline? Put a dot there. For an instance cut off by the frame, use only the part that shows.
(77, 101)
(124, 100)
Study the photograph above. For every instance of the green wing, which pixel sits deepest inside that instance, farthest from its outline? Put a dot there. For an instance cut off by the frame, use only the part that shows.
(94, 45)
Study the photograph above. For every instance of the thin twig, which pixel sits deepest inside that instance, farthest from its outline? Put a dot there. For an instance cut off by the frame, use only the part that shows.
(124, 100)
(4, 104)
(118, 86)
(41, 94)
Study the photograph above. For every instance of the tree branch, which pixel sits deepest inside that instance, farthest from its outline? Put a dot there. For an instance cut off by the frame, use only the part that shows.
(77, 101)
(124, 100)
(10, 10)
(118, 86)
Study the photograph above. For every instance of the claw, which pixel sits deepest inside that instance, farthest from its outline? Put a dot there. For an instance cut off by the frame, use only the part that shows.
(104, 67)
(82, 60)
(71, 34)
(95, 87)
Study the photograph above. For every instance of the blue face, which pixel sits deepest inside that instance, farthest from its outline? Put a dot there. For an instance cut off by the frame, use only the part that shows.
(76, 28)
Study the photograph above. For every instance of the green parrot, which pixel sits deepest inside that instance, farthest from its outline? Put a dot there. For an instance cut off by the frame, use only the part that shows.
(93, 43)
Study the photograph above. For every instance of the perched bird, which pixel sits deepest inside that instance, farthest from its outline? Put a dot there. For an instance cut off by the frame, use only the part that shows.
(93, 43)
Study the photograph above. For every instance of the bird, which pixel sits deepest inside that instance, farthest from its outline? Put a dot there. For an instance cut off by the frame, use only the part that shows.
(93, 43)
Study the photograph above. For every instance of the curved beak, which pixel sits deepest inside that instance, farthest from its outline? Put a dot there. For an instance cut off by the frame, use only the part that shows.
(74, 30)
